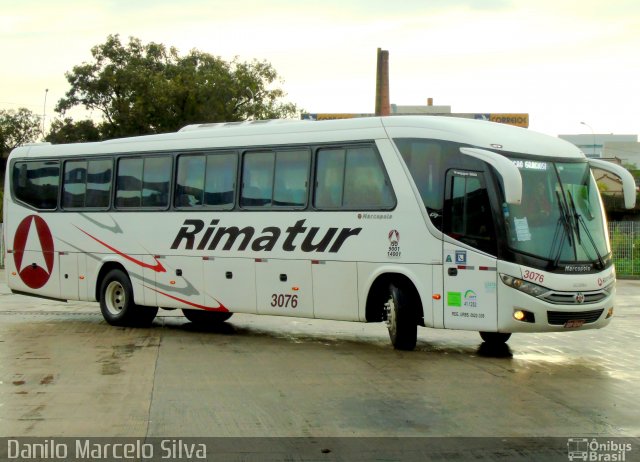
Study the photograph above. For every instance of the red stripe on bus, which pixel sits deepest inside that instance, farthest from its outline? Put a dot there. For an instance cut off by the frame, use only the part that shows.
(220, 306)
(158, 268)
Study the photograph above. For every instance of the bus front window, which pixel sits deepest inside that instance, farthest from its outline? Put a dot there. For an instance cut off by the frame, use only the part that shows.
(560, 218)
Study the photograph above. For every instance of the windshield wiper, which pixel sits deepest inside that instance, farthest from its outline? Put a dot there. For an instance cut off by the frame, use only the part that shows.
(576, 217)
(563, 223)
(580, 221)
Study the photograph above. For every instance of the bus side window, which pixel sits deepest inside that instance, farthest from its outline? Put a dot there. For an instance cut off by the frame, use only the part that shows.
(86, 184)
(220, 180)
(129, 183)
(425, 160)
(329, 178)
(275, 179)
(468, 213)
(143, 182)
(99, 183)
(36, 183)
(74, 185)
(156, 179)
(351, 178)
(257, 179)
(365, 184)
(190, 181)
(291, 178)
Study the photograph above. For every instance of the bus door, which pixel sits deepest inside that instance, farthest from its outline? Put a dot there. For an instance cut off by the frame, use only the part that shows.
(470, 277)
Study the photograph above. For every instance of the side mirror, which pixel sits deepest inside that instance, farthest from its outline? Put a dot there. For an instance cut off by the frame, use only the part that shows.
(628, 182)
(510, 174)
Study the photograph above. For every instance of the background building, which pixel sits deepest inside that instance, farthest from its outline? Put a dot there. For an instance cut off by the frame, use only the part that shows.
(607, 146)
(627, 151)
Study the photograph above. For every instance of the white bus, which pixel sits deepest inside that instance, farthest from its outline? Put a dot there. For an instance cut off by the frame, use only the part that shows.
(413, 221)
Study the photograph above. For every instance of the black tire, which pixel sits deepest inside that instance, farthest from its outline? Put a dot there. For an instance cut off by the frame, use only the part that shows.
(401, 319)
(117, 304)
(206, 317)
(495, 338)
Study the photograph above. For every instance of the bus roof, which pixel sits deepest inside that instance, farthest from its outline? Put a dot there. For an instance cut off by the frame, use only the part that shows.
(488, 135)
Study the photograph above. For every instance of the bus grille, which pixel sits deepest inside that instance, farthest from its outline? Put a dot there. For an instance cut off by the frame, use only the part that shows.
(559, 318)
(569, 298)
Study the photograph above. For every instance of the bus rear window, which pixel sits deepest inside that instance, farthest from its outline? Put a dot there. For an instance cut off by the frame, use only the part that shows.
(36, 183)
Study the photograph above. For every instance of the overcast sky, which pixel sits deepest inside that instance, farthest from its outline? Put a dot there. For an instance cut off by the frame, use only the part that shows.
(562, 61)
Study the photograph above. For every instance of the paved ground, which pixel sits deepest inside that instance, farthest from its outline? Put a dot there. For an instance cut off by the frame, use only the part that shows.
(65, 372)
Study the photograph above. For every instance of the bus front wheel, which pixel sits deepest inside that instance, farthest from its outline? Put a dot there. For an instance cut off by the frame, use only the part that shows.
(206, 317)
(117, 305)
(401, 320)
(495, 338)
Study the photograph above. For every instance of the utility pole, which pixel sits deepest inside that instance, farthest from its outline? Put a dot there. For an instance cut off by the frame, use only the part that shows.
(44, 110)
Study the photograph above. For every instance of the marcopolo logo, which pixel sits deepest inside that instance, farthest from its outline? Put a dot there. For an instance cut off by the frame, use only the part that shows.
(33, 235)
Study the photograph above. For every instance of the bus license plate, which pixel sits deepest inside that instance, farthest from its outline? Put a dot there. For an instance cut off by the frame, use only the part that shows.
(573, 323)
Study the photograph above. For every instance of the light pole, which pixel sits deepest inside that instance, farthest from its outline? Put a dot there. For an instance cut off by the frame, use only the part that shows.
(594, 138)
(44, 110)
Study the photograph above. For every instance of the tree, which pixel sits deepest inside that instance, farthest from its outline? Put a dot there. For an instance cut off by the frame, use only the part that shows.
(67, 131)
(140, 89)
(17, 128)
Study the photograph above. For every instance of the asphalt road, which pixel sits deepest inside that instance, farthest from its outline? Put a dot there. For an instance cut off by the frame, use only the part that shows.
(65, 372)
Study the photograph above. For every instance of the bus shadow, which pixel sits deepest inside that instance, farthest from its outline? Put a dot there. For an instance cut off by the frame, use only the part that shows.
(448, 347)
(457, 348)
(223, 328)
(243, 331)
(490, 350)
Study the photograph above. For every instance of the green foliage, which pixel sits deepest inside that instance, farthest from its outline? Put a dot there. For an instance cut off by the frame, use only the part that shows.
(141, 89)
(68, 131)
(17, 128)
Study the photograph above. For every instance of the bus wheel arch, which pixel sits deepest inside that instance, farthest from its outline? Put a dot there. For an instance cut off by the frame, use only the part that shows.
(114, 291)
(104, 270)
(393, 298)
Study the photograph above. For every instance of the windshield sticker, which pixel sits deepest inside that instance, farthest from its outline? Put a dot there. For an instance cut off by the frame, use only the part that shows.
(530, 165)
(522, 229)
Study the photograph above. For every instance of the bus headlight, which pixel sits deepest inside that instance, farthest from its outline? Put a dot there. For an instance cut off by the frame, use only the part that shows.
(523, 286)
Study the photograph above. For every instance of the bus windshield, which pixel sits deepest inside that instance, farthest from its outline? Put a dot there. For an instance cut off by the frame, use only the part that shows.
(560, 218)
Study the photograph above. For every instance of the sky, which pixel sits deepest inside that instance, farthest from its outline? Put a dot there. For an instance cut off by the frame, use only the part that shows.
(561, 61)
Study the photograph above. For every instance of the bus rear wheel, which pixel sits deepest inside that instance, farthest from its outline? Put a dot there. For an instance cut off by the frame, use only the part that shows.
(401, 320)
(117, 305)
(495, 338)
(206, 317)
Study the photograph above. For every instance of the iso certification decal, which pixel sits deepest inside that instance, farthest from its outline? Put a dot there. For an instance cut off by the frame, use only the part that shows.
(394, 244)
